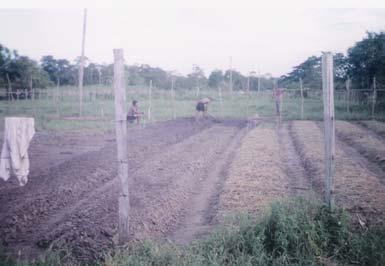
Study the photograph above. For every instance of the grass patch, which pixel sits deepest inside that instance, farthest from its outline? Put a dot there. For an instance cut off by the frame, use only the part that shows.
(98, 102)
(291, 233)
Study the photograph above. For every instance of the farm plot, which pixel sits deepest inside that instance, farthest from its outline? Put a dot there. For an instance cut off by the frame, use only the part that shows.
(367, 143)
(356, 187)
(256, 176)
(375, 126)
(75, 203)
(185, 176)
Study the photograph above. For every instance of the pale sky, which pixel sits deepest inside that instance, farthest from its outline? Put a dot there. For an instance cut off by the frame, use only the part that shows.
(269, 40)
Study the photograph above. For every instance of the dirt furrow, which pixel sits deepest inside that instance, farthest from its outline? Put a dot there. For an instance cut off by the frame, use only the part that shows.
(376, 127)
(161, 189)
(356, 188)
(197, 217)
(300, 183)
(256, 176)
(371, 146)
(52, 197)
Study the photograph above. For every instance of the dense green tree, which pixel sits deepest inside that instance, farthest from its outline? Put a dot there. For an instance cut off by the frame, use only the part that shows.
(367, 59)
(215, 79)
(20, 72)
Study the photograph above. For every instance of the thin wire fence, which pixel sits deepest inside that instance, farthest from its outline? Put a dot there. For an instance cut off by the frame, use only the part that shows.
(58, 108)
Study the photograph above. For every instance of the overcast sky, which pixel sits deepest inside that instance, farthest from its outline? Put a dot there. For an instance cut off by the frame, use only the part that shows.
(272, 40)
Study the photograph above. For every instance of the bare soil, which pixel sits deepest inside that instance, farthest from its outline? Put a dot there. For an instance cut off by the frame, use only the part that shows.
(185, 177)
(366, 142)
(71, 199)
(256, 176)
(356, 187)
(375, 126)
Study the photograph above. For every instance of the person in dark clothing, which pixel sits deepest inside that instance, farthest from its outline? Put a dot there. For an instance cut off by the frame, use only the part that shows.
(201, 107)
(134, 113)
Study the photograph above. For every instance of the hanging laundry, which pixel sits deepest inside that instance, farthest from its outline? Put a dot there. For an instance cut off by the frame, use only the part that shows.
(18, 133)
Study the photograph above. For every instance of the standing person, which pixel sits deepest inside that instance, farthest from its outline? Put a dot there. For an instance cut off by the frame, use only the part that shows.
(134, 113)
(201, 107)
(278, 95)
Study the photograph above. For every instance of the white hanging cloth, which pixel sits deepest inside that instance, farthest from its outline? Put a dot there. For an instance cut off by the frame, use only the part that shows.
(18, 133)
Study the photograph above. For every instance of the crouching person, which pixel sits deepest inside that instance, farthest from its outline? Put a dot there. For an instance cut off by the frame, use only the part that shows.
(134, 113)
(201, 108)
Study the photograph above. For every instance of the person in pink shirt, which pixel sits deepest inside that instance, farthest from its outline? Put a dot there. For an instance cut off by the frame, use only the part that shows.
(278, 95)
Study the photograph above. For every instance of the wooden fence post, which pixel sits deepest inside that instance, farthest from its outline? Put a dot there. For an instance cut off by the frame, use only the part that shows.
(329, 128)
(173, 98)
(121, 141)
(220, 100)
(57, 100)
(301, 88)
(10, 96)
(149, 101)
(32, 96)
(102, 109)
(374, 98)
(259, 82)
(348, 95)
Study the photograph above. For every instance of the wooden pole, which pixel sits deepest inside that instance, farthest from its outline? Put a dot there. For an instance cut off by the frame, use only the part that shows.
(348, 95)
(248, 84)
(121, 141)
(197, 92)
(149, 101)
(329, 128)
(30, 87)
(32, 95)
(81, 68)
(9, 88)
(231, 75)
(374, 98)
(173, 98)
(220, 100)
(57, 98)
(301, 88)
(259, 82)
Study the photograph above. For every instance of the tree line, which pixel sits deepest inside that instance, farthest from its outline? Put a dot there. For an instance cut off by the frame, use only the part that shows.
(363, 61)
(21, 72)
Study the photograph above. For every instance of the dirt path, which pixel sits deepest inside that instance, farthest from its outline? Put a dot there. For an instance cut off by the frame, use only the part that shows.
(299, 180)
(198, 215)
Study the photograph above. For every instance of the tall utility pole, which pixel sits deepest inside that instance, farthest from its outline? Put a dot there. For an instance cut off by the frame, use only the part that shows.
(329, 128)
(231, 75)
(81, 67)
